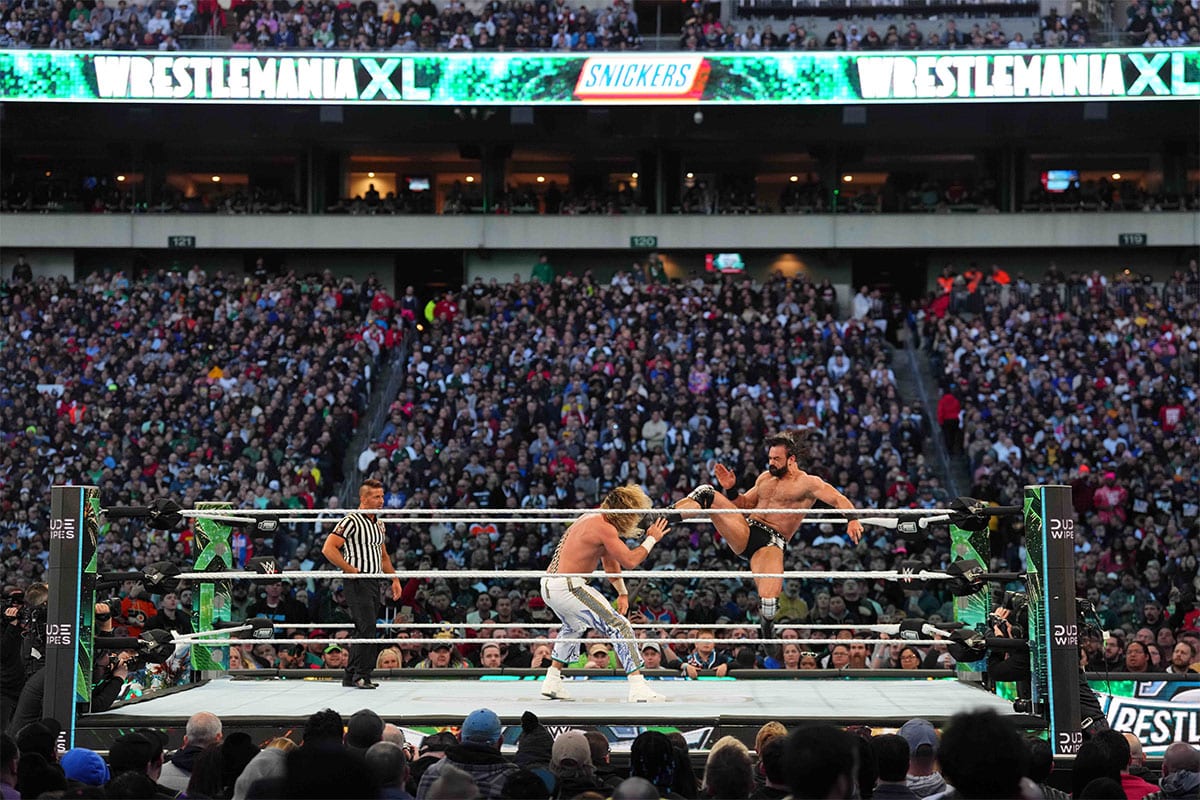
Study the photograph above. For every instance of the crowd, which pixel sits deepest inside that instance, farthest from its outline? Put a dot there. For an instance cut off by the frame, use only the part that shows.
(549, 392)
(513, 25)
(977, 755)
(1091, 381)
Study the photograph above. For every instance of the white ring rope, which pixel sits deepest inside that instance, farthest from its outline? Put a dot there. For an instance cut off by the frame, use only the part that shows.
(492, 514)
(707, 626)
(485, 640)
(536, 574)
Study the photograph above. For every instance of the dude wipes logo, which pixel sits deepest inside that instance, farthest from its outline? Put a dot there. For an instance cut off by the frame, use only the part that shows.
(1069, 742)
(59, 634)
(1062, 528)
(62, 529)
(1066, 635)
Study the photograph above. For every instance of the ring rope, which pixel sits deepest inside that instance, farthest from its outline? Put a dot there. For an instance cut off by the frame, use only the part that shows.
(486, 640)
(707, 626)
(535, 574)
(490, 514)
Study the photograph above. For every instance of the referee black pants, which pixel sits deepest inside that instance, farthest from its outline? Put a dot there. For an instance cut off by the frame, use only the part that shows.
(362, 595)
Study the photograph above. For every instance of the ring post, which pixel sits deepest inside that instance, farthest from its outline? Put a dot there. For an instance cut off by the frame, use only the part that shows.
(1053, 630)
(74, 526)
(973, 609)
(212, 599)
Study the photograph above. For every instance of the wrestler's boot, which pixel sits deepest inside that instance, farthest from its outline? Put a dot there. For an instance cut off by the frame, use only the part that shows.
(766, 624)
(552, 685)
(640, 691)
(702, 494)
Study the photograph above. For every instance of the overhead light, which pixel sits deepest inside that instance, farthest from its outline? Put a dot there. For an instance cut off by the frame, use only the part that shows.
(690, 175)
(1116, 176)
(541, 178)
(370, 174)
(48, 173)
(216, 178)
(847, 179)
(794, 178)
(470, 179)
(120, 179)
(633, 175)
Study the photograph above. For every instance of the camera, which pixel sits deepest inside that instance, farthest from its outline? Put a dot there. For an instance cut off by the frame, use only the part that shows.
(1017, 604)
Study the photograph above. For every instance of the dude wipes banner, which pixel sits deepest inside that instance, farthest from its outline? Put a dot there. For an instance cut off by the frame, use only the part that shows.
(612, 78)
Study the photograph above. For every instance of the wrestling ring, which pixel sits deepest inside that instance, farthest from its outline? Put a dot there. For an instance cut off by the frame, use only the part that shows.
(269, 702)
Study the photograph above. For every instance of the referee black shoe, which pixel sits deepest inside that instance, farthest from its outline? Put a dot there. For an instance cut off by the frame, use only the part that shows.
(360, 683)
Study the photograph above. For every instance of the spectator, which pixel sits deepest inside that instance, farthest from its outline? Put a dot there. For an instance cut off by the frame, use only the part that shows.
(892, 759)
(571, 765)
(1120, 759)
(390, 768)
(771, 761)
(728, 772)
(820, 762)
(654, 758)
(982, 756)
(1180, 772)
(203, 730)
(477, 755)
(364, 729)
(263, 776)
(923, 777)
(140, 752)
(85, 766)
(453, 784)
(606, 776)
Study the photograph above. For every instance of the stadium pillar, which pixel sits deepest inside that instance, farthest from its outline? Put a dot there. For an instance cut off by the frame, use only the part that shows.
(1053, 630)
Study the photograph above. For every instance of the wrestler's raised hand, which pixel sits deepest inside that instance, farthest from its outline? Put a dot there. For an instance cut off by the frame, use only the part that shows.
(725, 476)
(658, 530)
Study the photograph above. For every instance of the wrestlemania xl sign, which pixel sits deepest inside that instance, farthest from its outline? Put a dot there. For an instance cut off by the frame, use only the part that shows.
(551, 79)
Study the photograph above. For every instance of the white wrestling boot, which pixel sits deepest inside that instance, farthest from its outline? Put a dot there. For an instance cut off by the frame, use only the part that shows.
(552, 686)
(640, 691)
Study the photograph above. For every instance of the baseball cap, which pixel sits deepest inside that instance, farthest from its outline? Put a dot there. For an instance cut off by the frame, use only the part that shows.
(918, 733)
(481, 726)
(364, 729)
(85, 766)
(652, 646)
(571, 749)
(597, 648)
(444, 634)
(334, 648)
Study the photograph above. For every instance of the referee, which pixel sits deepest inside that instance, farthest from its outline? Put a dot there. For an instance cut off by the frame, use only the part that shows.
(355, 545)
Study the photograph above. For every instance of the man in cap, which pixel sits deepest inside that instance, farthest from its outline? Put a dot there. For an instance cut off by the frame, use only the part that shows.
(477, 754)
(923, 777)
(364, 729)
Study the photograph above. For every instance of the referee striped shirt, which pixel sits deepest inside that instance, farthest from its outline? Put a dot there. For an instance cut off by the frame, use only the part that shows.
(363, 537)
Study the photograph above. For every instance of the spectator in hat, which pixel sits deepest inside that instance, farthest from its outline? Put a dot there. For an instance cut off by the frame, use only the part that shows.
(571, 764)
(443, 655)
(433, 749)
(655, 658)
(477, 754)
(535, 746)
(364, 729)
(84, 766)
(390, 766)
(335, 656)
(203, 729)
(923, 777)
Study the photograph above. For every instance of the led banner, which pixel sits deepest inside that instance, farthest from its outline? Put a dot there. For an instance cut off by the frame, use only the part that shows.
(650, 79)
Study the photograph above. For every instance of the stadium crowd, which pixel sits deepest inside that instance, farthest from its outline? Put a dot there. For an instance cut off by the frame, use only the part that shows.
(525, 25)
(546, 392)
(1092, 381)
(977, 755)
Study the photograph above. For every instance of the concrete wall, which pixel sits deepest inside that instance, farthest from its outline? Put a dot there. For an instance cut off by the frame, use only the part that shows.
(778, 233)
